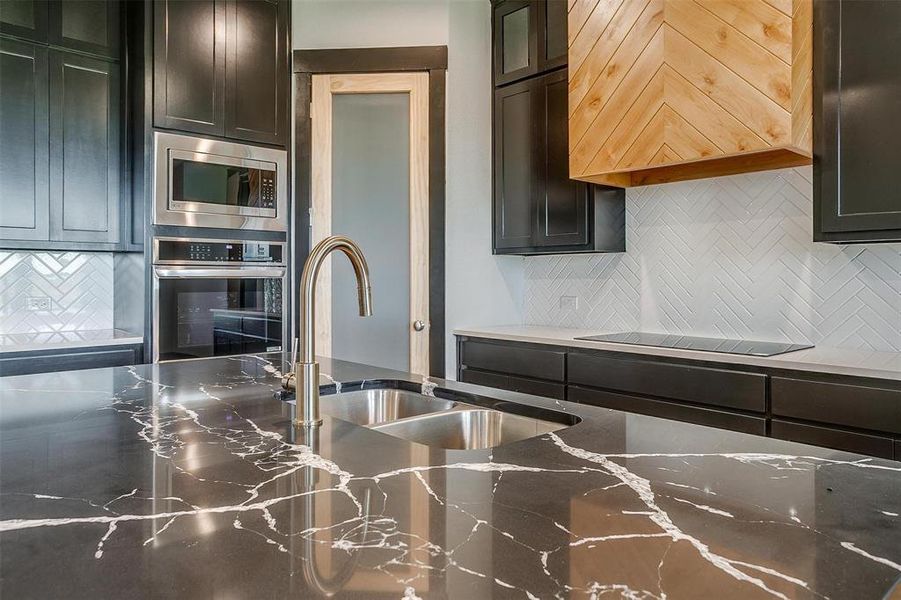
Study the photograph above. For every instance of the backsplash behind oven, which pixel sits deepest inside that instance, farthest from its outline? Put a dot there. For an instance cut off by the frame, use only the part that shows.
(726, 257)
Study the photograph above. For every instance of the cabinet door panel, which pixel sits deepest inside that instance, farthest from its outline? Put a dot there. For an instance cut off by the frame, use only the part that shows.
(857, 97)
(563, 203)
(515, 171)
(527, 361)
(554, 42)
(515, 40)
(84, 149)
(24, 193)
(24, 18)
(86, 25)
(189, 65)
(257, 71)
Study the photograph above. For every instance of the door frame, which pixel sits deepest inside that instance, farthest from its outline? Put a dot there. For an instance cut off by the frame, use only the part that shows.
(430, 59)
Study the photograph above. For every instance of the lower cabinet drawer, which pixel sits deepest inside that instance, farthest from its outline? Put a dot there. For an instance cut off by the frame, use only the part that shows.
(71, 360)
(843, 404)
(526, 361)
(669, 410)
(698, 385)
(547, 389)
(849, 441)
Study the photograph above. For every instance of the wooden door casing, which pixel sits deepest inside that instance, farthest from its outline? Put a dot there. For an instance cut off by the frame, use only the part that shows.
(416, 84)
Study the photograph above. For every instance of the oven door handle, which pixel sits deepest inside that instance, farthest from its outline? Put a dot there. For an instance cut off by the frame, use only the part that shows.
(219, 272)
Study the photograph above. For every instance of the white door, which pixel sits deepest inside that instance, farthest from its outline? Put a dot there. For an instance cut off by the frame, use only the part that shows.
(370, 182)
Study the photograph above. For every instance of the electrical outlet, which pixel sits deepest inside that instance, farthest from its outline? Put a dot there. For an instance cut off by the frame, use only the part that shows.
(569, 302)
(35, 303)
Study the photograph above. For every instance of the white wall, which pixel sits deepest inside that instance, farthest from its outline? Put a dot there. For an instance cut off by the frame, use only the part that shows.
(481, 289)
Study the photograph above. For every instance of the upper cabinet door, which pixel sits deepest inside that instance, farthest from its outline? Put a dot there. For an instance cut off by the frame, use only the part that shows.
(87, 25)
(84, 149)
(189, 65)
(256, 72)
(553, 39)
(24, 18)
(515, 40)
(24, 193)
(562, 202)
(516, 166)
(857, 91)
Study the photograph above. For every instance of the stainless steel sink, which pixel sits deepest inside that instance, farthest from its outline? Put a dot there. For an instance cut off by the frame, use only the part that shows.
(370, 407)
(467, 428)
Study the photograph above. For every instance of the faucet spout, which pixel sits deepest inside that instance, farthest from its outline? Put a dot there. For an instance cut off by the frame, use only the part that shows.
(305, 379)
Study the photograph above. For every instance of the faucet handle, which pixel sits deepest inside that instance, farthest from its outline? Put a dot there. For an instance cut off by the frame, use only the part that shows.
(294, 346)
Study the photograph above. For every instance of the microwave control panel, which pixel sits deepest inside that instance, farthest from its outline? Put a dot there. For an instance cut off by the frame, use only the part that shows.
(214, 251)
(267, 189)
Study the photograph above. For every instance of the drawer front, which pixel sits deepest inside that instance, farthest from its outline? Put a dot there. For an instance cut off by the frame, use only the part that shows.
(701, 385)
(669, 410)
(72, 361)
(832, 438)
(531, 362)
(546, 389)
(873, 408)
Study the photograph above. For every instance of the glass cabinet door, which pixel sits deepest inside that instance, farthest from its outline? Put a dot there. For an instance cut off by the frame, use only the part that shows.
(516, 40)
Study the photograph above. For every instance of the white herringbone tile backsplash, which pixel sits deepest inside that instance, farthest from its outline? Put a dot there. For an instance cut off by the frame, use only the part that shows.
(79, 285)
(727, 257)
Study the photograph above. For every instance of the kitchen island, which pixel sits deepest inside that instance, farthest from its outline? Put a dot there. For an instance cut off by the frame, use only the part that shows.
(187, 479)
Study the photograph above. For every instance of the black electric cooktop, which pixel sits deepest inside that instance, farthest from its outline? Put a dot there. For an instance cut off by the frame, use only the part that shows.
(687, 342)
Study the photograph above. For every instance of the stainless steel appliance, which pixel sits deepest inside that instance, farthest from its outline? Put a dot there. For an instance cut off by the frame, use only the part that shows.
(207, 183)
(217, 297)
(687, 342)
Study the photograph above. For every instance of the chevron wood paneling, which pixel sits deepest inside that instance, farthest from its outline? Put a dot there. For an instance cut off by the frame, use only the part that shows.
(79, 285)
(720, 86)
(727, 257)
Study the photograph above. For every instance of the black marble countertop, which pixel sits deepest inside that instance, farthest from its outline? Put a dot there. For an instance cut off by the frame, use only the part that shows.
(187, 480)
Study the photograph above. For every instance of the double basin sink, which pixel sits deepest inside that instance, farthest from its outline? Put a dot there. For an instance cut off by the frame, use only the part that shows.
(440, 422)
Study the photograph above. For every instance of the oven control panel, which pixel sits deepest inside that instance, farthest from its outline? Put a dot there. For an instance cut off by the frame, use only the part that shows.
(267, 189)
(215, 251)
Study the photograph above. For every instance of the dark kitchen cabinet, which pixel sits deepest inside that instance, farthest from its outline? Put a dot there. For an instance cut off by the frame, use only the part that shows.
(256, 72)
(853, 414)
(24, 191)
(856, 102)
(221, 68)
(24, 18)
(84, 149)
(86, 25)
(30, 362)
(530, 37)
(189, 65)
(61, 156)
(537, 207)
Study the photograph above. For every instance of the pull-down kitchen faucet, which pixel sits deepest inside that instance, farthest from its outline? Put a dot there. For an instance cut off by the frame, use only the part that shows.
(305, 378)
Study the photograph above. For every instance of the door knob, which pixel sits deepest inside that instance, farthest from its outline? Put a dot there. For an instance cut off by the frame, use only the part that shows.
(418, 325)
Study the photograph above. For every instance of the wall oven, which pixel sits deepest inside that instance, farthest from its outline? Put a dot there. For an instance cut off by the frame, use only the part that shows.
(207, 183)
(217, 297)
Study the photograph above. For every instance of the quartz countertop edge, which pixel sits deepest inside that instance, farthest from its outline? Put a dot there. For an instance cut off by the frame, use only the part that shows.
(819, 359)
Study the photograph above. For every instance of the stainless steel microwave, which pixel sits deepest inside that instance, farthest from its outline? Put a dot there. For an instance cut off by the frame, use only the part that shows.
(208, 183)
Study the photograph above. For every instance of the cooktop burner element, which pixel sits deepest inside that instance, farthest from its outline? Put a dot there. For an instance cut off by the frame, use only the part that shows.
(687, 342)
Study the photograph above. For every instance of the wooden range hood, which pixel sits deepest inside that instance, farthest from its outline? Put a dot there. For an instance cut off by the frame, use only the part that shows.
(668, 90)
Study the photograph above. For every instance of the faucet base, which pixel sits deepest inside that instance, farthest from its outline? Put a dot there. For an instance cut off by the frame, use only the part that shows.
(306, 385)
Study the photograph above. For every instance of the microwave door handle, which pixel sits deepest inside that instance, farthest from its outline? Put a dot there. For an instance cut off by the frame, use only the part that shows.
(219, 273)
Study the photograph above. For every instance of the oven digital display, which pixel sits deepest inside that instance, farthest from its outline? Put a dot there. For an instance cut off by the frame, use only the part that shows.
(188, 251)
